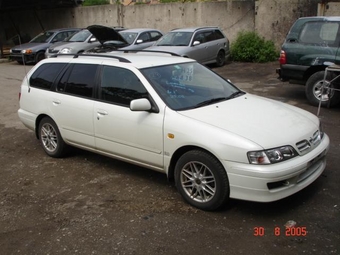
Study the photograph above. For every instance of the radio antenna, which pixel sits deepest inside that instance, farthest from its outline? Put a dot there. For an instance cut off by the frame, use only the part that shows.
(23, 62)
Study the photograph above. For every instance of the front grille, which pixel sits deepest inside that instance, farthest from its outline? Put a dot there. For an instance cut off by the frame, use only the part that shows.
(16, 51)
(306, 145)
(303, 146)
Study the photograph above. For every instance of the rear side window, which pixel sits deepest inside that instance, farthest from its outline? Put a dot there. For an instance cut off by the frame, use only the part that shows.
(45, 75)
(79, 81)
(218, 34)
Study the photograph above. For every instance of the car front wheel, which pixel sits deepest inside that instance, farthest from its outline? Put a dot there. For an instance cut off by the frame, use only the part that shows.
(40, 56)
(316, 92)
(50, 138)
(202, 180)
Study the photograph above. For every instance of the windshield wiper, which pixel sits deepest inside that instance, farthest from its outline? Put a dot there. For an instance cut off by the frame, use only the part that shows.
(210, 101)
(218, 99)
(235, 94)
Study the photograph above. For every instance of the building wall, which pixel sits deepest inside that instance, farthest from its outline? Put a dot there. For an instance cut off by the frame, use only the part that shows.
(271, 19)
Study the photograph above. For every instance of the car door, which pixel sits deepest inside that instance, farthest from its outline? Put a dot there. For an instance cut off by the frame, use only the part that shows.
(130, 135)
(72, 105)
(199, 52)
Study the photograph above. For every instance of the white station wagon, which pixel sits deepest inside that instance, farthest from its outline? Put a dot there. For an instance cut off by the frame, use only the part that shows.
(173, 115)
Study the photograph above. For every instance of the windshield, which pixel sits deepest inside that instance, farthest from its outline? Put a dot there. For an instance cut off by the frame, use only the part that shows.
(129, 36)
(175, 39)
(189, 85)
(42, 38)
(80, 36)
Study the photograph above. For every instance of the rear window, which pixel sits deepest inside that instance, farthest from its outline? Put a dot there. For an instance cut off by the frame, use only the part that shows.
(45, 75)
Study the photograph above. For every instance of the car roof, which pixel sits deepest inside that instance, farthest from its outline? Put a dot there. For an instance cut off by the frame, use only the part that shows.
(63, 29)
(139, 30)
(138, 59)
(192, 29)
(328, 18)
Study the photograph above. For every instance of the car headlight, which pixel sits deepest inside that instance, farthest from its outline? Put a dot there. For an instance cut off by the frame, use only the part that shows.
(271, 156)
(65, 51)
(27, 51)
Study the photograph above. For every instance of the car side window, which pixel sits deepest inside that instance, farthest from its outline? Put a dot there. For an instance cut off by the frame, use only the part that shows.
(155, 36)
(45, 75)
(209, 36)
(218, 34)
(120, 86)
(61, 36)
(79, 81)
(145, 37)
(319, 33)
(200, 37)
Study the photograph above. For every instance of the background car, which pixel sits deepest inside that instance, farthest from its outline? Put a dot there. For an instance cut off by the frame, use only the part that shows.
(311, 45)
(34, 50)
(204, 44)
(77, 43)
(140, 38)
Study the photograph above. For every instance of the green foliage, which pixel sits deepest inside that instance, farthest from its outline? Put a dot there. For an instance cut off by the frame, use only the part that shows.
(95, 2)
(250, 47)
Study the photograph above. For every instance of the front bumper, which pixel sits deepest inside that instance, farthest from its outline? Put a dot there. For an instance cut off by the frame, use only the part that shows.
(27, 58)
(267, 183)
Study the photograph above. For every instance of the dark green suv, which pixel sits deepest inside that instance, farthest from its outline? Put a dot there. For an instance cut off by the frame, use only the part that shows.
(311, 45)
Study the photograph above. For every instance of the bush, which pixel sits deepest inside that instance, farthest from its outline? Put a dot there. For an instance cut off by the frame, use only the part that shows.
(250, 47)
(95, 2)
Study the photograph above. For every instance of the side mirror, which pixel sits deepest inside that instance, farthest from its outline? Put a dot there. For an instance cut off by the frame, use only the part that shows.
(139, 41)
(93, 39)
(196, 43)
(141, 104)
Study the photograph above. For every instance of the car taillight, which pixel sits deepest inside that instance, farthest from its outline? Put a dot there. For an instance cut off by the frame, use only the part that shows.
(282, 58)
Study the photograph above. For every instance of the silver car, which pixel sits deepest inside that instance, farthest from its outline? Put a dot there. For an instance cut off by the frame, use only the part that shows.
(140, 38)
(33, 51)
(204, 44)
(86, 39)
(77, 43)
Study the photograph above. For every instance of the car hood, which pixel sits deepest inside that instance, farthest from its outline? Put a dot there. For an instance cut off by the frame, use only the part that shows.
(33, 46)
(265, 122)
(179, 50)
(104, 34)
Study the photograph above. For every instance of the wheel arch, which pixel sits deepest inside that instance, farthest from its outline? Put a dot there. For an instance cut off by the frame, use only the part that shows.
(37, 122)
(178, 153)
(312, 70)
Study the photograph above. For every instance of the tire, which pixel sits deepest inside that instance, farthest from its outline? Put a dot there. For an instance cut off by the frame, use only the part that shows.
(220, 59)
(314, 89)
(50, 138)
(40, 56)
(202, 180)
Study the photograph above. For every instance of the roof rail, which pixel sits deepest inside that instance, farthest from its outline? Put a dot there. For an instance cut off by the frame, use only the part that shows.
(121, 59)
(150, 51)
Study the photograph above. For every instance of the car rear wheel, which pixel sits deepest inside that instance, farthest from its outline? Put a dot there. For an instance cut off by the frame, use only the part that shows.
(220, 59)
(50, 138)
(202, 180)
(315, 91)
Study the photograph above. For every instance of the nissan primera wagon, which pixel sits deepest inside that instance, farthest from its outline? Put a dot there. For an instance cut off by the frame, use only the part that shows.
(173, 115)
